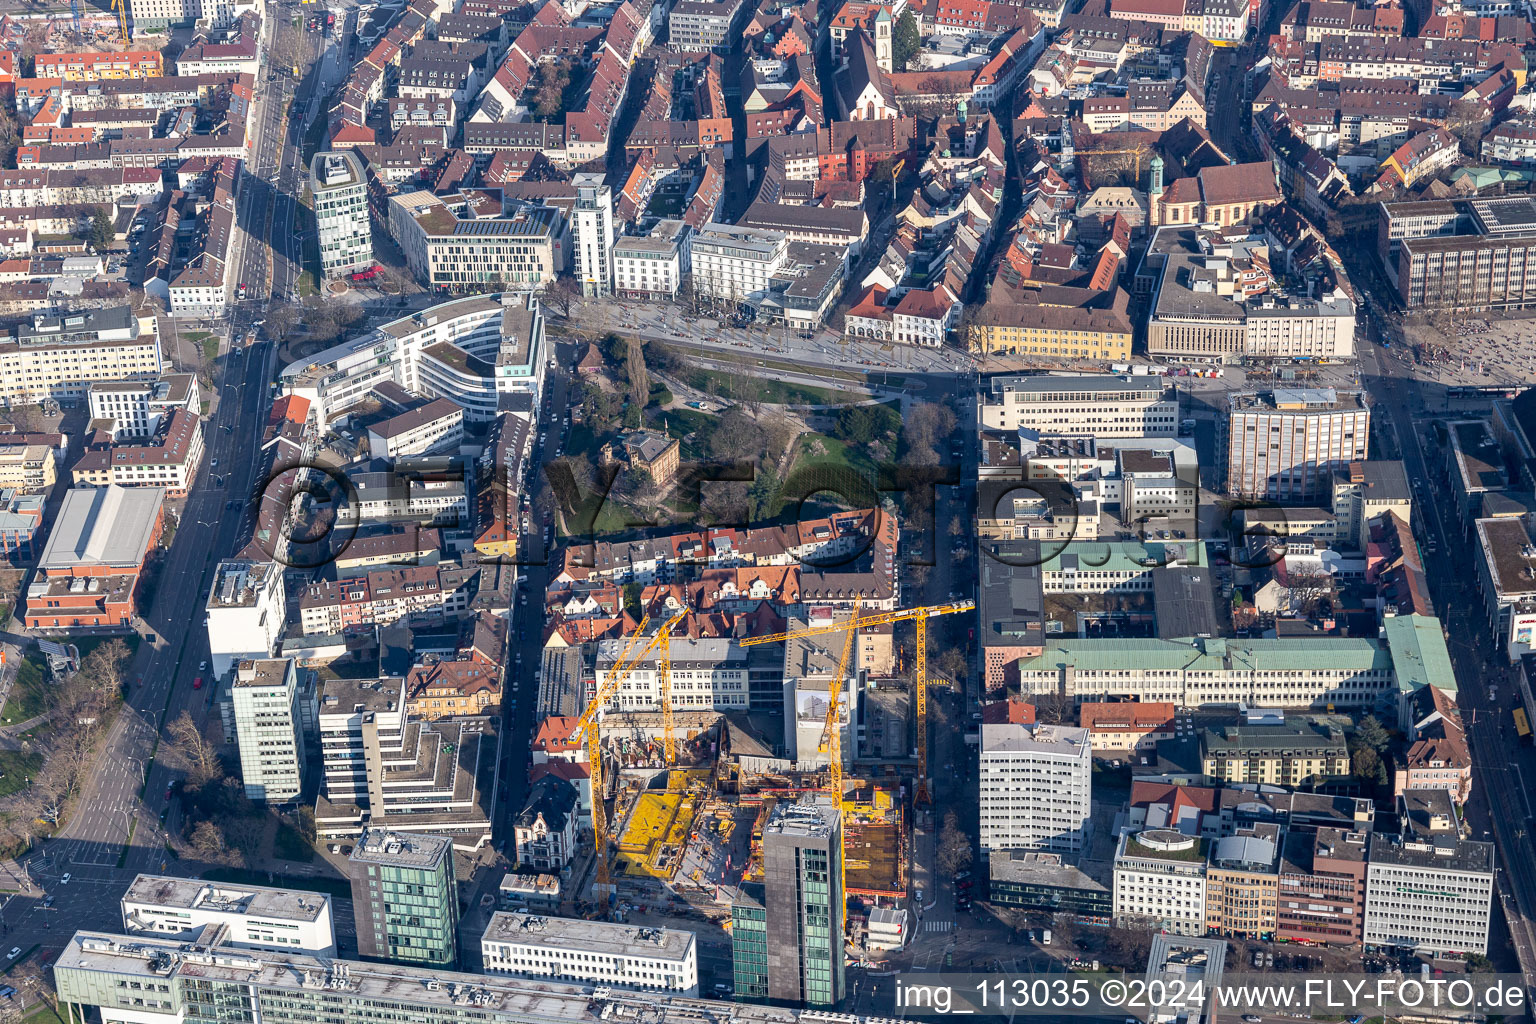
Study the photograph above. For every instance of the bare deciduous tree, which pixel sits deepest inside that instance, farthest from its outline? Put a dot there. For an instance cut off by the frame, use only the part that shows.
(954, 852)
(201, 756)
(207, 839)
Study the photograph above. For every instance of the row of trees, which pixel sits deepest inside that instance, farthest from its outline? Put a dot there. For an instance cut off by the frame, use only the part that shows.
(79, 708)
(219, 822)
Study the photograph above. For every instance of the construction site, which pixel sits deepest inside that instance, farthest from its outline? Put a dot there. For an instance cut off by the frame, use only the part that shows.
(682, 797)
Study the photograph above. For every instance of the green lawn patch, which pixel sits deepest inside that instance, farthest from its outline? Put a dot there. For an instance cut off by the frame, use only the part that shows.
(29, 693)
(338, 887)
(16, 768)
(210, 349)
(752, 385)
(42, 1014)
(287, 844)
(817, 450)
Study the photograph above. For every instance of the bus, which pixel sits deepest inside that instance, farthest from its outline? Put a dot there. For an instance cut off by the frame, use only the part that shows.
(1522, 727)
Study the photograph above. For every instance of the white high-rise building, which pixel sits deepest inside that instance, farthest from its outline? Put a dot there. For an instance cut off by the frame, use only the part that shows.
(1035, 787)
(269, 729)
(341, 213)
(256, 917)
(595, 234)
(246, 611)
(571, 949)
(1430, 894)
(1288, 444)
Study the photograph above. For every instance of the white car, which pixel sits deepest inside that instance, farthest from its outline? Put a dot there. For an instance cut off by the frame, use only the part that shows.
(66, 878)
(14, 953)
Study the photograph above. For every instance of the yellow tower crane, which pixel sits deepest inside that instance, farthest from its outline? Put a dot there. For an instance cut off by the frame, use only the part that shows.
(587, 724)
(856, 622)
(120, 8)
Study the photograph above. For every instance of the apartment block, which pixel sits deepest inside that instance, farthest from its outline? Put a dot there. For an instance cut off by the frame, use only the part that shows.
(600, 952)
(384, 768)
(1296, 753)
(431, 428)
(138, 407)
(26, 468)
(169, 458)
(97, 67)
(59, 356)
(253, 916)
(694, 25)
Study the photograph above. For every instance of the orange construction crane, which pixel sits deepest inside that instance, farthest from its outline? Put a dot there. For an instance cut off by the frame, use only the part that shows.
(852, 625)
(587, 724)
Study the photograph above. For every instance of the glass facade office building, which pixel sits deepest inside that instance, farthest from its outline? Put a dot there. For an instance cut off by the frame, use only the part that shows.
(405, 898)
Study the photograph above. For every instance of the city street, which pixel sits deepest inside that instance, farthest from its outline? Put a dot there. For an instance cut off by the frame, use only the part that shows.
(90, 849)
(1499, 808)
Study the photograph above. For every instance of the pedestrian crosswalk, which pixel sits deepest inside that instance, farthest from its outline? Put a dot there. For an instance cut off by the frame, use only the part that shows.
(938, 926)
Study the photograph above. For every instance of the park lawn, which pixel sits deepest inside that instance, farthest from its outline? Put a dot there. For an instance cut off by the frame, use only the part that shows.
(833, 453)
(679, 423)
(287, 844)
(17, 768)
(29, 693)
(753, 384)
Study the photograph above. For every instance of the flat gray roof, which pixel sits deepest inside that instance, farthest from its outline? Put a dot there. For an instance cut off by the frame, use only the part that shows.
(1043, 383)
(1437, 853)
(400, 849)
(498, 999)
(103, 526)
(601, 937)
(226, 898)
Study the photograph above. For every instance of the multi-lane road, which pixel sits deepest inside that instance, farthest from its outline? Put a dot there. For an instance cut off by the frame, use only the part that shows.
(127, 795)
